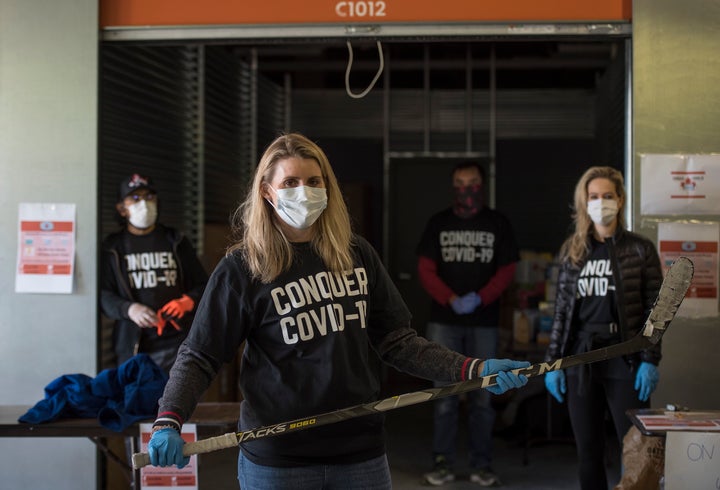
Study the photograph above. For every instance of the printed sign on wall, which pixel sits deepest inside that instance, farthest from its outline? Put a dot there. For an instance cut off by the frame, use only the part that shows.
(680, 184)
(699, 243)
(46, 248)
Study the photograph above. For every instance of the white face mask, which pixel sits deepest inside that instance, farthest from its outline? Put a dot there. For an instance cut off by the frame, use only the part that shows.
(602, 211)
(143, 214)
(300, 206)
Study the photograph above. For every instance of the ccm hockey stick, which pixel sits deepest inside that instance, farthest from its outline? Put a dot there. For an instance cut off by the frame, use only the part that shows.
(672, 291)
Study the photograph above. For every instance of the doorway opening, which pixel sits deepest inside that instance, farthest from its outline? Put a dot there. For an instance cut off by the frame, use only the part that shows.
(196, 115)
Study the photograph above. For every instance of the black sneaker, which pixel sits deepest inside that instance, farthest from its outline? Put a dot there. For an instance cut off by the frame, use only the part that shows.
(485, 477)
(441, 474)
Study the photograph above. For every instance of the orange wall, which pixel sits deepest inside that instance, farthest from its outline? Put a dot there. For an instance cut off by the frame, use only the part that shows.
(115, 13)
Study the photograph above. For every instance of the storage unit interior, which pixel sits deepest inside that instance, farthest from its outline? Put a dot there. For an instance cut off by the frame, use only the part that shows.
(536, 112)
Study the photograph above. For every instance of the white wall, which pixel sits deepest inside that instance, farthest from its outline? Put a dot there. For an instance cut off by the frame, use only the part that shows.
(48, 148)
(676, 90)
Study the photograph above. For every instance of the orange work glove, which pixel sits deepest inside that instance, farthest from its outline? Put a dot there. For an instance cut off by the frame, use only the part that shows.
(162, 322)
(177, 308)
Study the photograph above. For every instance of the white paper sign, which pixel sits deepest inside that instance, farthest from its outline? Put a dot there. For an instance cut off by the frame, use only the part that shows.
(692, 460)
(699, 243)
(680, 184)
(46, 248)
(169, 478)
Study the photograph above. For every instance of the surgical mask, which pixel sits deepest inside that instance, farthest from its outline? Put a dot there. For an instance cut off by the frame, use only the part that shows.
(300, 206)
(143, 214)
(602, 211)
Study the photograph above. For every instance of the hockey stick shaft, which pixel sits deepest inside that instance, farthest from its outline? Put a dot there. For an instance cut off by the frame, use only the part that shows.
(671, 294)
(232, 439)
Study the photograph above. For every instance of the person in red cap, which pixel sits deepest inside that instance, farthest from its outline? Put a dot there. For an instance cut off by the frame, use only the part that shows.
(151, 278)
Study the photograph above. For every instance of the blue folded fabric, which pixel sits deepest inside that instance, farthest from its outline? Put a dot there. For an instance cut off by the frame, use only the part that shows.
(118, 397)
(132, 391)
(69, 395)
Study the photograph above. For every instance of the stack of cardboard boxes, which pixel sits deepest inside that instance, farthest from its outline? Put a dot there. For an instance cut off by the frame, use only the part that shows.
(536, 281)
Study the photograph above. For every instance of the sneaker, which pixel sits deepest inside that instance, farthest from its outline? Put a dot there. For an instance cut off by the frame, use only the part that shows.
(441, 474)
(485, 477)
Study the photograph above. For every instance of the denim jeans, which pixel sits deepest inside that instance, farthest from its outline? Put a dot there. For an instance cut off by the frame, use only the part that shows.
(473, 341)
(373, 474)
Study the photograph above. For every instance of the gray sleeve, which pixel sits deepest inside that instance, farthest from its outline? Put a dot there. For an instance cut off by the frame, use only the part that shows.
(190, 377)
(396, 342)
(406, 351)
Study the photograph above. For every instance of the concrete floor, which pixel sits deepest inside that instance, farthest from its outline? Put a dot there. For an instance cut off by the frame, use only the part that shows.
(546, 466)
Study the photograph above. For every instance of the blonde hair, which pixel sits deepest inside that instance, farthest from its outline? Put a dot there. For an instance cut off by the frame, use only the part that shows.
(265, 248)
(577, 245)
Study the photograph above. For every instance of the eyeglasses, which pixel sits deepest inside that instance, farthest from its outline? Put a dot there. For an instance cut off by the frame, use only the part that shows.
(141, 197)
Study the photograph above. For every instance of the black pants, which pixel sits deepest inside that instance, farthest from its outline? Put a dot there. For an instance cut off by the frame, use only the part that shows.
(587, 416)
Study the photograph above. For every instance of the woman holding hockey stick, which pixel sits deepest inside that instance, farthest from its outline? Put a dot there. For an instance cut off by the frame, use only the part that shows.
(316, 309)
(608, 280)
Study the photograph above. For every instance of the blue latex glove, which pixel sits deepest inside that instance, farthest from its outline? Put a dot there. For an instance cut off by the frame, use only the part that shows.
(165, 448)
(465, 304)
(471, 300)
(459, 307)
(506, 379)
(646, 380)
(555, 384)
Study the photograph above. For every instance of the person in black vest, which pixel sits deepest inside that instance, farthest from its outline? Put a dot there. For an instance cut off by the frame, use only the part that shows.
(608, 280)
(151, 279)
(466, 259)
(316, 309)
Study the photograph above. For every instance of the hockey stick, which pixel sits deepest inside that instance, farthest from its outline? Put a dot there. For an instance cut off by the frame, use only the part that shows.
(672, 291)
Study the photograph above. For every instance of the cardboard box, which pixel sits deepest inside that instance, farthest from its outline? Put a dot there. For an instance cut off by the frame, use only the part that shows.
(523, 325)
(692, 460)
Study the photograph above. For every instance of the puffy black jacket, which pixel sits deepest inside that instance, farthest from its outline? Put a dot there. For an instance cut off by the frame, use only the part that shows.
(640, 275)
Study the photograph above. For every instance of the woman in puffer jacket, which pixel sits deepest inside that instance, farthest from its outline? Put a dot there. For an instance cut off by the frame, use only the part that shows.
(608, 280)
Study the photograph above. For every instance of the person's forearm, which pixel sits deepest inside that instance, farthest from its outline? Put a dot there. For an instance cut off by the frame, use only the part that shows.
(190, 377)
(498, 283)
(415, 355)
(431, 282)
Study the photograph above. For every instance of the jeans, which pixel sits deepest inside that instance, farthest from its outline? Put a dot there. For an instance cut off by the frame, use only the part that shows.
(373, 474)
(474, 341)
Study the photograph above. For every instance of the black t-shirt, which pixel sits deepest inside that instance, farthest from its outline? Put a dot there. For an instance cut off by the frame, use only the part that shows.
(152, 273)
(152, 268)
(597, 304)
(468, 252)
(596, 301)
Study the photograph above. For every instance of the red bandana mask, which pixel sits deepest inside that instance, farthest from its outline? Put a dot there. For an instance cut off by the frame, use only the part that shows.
(468, 200)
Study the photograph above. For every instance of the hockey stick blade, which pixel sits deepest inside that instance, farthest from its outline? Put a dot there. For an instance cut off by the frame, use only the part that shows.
(672, 291)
